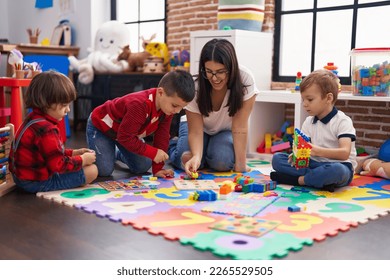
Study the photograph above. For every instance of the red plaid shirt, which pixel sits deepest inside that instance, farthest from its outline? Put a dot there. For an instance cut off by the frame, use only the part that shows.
(41, 152)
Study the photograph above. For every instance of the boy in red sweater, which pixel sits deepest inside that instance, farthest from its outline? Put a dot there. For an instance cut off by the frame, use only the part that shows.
(115, 129)
(39, 161)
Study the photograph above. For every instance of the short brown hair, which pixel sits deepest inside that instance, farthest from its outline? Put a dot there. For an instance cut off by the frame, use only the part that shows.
(326, 80)
(48, 88)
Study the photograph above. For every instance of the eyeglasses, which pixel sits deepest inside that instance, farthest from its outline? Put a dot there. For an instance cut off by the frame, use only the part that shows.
(220, 75)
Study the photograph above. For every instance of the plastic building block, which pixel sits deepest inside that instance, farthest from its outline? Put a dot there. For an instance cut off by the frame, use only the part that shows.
(301, 149)
(294, 209)
(280, 147)
(225, 189)
(204, 195)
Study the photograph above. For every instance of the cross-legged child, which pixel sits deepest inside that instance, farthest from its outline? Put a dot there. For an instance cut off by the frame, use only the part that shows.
(39, 161)
(332, 134)
(117, 128)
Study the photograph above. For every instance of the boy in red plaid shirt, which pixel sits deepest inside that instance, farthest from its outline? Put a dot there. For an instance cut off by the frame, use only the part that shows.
(38, 159)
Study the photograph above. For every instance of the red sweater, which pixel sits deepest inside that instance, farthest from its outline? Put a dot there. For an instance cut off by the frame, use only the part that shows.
(41, 152)
(130, 118)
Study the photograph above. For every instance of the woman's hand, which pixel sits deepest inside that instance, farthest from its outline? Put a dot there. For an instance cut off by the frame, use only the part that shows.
(192, 165)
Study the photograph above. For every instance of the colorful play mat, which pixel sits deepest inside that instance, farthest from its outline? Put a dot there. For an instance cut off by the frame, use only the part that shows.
(244, 226)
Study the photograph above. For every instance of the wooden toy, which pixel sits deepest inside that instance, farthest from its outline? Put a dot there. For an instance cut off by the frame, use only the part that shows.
(126, 185)
(6, 137)
(301, 149)
(246, 225)
(196, 185)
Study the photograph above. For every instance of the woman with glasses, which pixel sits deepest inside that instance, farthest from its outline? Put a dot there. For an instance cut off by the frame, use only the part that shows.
(214, 131)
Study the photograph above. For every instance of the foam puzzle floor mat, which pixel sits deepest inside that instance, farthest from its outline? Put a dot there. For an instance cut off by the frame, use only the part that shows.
(169, 212)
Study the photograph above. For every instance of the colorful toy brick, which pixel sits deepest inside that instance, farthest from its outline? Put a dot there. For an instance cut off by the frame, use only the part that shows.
(258, 186)
(293, 209)
(225, 191)
(205, 195)
(280, 147)
(298, 80)
(301, 149)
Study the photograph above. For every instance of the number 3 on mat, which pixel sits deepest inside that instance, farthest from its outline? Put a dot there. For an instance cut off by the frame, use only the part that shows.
(301, 222)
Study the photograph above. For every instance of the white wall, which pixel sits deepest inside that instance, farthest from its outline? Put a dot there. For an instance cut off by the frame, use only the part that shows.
(18, 15)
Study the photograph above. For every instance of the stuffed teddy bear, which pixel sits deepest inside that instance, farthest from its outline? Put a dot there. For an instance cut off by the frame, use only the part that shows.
(135, 60)
(110, 38)
(376, 167)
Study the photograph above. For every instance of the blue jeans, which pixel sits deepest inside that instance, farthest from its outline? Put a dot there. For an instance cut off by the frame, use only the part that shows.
(54, 183)
(218, 151)
(318, 174)
(108, 151)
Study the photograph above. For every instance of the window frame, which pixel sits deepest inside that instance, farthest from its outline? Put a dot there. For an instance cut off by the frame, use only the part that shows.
(139, 22)
(315, 10)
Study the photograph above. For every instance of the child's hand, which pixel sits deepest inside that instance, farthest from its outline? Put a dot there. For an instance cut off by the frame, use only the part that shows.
(88, 158)
(79, 152)
(164, 173)
(161, 156)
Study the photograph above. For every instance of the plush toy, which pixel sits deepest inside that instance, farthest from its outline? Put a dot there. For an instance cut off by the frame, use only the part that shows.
(134, 60)
(376, 167)
(110, 38)
(154, 65)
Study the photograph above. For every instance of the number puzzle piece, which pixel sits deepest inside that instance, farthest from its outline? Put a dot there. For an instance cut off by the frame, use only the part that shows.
(243, 247)
(245, 225)
(196, 185)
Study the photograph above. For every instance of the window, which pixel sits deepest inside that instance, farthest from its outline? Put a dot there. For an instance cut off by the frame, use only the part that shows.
(311, 33)
(141, 19)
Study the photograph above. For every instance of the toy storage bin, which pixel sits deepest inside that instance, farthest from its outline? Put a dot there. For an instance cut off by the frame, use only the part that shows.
(370, 71)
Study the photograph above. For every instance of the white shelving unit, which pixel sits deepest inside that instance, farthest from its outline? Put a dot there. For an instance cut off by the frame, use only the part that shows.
(268, 114)
(253, 49)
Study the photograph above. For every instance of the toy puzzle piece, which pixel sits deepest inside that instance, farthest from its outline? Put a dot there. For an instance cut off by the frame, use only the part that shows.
(245, 225)
(77, 196)
(343, 210)
(172, 196)
(305, 225)
(243, 205)
(382, 185)
(174, 223)
(124, 206)
(132, 184)
(196, 185)
(243, 247)
(364, 196)
(364, 180)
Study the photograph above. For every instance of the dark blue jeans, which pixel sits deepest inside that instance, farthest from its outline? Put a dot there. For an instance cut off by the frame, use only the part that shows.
(318, 174)
(54, 183)
(218, 151)
(108, 151)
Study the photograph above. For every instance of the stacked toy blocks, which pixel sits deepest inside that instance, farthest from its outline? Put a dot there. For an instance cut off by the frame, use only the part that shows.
(247, 184)
(301, 149)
